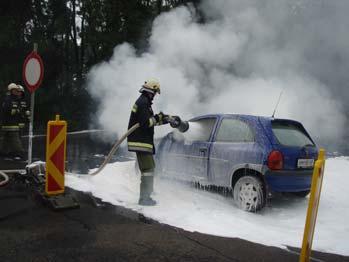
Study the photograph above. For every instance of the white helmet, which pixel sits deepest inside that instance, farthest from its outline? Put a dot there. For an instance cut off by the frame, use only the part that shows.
(12, 86)
(20, 88)
(151, 85)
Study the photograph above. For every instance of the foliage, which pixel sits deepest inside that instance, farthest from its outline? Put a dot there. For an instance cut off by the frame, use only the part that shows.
(72, 36)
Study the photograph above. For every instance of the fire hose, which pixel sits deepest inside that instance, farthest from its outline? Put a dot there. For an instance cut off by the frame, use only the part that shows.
(114, 148)
(174, 121)
(6, 179)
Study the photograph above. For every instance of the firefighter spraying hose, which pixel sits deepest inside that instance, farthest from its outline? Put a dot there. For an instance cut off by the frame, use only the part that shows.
(140, 137)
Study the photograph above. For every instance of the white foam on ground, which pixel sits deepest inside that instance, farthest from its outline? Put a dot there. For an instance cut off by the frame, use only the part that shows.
(196, 210)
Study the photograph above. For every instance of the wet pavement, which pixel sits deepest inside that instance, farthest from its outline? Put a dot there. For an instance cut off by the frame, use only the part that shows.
(98, 231)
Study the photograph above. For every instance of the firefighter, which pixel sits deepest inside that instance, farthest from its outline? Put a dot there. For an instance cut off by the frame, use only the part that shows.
(141, 140)
(10, 143)
(25, 113)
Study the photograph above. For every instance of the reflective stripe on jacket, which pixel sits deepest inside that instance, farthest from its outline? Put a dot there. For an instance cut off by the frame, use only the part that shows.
(10, 128)
(140, 147)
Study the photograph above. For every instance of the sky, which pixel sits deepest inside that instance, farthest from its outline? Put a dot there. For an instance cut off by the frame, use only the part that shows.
(239, 61)
(280, 223)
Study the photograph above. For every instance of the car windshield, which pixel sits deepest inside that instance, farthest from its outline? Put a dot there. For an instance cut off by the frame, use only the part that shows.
(290, 134)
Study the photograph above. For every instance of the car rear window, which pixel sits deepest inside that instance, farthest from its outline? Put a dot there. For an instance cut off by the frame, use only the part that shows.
(290, 134)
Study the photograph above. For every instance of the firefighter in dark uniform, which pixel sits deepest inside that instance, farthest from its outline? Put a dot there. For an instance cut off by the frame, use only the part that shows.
(25, 113)
(10, 143)
(141, 140)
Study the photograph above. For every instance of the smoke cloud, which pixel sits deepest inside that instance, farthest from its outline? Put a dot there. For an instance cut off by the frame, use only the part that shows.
(237, 61)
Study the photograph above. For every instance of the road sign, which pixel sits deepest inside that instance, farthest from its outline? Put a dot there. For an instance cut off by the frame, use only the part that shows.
(313, 206)
(55, 156)
(33, 71)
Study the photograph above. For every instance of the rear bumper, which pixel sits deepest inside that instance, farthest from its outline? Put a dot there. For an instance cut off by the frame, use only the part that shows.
(288, 180)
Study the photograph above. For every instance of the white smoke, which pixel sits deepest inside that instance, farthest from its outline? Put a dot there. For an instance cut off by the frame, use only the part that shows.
(238, 61)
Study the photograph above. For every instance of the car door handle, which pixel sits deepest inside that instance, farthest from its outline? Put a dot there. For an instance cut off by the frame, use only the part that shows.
(203, 150)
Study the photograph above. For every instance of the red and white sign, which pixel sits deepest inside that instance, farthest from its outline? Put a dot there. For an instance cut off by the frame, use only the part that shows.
(33, 71)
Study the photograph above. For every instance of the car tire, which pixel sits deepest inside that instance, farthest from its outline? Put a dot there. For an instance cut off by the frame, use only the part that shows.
(248, 193)
(301, 193)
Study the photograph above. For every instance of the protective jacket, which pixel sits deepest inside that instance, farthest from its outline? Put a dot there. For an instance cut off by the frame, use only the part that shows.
(10, 113)
(142, 139)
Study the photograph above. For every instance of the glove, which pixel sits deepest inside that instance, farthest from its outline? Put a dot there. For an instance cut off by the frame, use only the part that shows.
(165, 119)
(161, 118)
(15, 111)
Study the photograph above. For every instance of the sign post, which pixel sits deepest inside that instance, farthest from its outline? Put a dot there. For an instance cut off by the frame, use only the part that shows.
(33, 72)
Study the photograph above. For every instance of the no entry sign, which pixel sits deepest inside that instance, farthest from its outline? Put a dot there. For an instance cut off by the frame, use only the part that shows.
(33, 71)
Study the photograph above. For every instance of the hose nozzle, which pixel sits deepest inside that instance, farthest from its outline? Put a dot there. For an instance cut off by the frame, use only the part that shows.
(176, 122)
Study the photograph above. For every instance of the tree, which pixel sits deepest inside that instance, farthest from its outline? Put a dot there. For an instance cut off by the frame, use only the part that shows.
(72, 35)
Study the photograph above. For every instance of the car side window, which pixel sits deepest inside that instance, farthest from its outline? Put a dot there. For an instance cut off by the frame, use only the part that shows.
(200, 130)
(234, 130)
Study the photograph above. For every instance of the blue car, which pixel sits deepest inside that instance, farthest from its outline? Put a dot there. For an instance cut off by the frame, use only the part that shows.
(251, 156)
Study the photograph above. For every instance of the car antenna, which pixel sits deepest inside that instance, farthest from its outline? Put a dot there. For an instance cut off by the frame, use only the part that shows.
(277, 104)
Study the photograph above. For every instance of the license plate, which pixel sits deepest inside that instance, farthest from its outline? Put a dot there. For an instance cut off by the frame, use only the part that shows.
(305, 163)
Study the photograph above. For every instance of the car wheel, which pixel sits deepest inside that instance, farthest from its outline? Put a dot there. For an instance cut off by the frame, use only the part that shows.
(249, 194)
(301, 193)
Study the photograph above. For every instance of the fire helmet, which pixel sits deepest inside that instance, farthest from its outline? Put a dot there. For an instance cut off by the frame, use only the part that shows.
(12, 86)
(21, 88)
(151, 85)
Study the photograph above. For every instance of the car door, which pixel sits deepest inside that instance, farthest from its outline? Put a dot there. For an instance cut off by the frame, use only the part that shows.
(191, 149)
(234, 145)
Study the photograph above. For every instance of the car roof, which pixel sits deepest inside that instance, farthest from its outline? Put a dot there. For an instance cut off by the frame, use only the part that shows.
(242, 116)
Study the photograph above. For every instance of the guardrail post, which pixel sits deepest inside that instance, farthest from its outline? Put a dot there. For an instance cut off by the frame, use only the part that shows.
(313, 206)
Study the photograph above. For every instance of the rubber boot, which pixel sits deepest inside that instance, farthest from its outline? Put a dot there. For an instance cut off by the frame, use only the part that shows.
(142, 190)
(146, 188)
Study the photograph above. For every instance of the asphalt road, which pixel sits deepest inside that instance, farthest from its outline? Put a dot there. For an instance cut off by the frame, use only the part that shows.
(97, 231)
